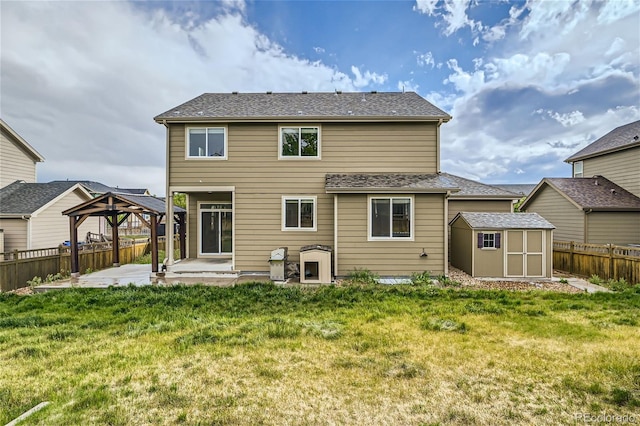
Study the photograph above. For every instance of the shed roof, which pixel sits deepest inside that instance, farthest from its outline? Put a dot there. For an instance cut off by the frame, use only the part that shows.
(388, 182)
(393, 106)
(20, 198)
(478, 220)
(474, 189)
(622, 137)
(589, 193)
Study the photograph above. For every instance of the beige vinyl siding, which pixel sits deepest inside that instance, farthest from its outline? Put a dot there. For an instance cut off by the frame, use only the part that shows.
(345, 148)
(50, 228)
(488, 262)
(565, 216)
(461, 246)
(260, 179)
(390, 258)
(457, 206)
(620, 167)
(15, 163)
(15, 234)
(613, 228)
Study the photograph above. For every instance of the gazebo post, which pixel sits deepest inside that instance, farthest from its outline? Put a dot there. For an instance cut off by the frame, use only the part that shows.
(73, 232)
(154, 243)
(114, 239)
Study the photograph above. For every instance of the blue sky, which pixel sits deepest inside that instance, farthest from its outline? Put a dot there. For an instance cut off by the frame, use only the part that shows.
(528, 83)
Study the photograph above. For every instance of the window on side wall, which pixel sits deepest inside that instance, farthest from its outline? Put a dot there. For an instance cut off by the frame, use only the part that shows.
(299, 213)
(577, 169)
(207, 142)
(488, 240)
(390, 218)
(299, 142)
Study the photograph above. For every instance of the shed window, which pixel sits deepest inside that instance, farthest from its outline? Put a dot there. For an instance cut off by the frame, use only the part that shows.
(488, 240)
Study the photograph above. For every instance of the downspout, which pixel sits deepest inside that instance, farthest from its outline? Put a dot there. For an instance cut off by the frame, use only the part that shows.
(438, 145)
(168, 228)
(446, 233)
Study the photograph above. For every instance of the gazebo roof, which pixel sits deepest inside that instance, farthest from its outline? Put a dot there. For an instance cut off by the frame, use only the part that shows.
(107, 204)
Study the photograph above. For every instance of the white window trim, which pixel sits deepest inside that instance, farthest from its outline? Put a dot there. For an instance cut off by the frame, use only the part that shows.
(494, 241)
(581, 174)
(299, 157)
(286, 198)
(233, 221)
(205, 158)
(390, 197)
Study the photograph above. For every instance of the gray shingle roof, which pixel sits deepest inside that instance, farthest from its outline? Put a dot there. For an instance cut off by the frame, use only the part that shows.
(100, 188)
(505, 220)
(394, 182)
(594, 193)
(293, 106)
(473, 189)
(26, 198)
(622, 137)
(522, 189)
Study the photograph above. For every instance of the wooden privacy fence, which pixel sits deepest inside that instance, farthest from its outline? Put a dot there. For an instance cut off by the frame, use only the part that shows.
(18, 267)
(606, 261)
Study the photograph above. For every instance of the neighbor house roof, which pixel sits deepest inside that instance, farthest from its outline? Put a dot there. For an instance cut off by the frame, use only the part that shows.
(23, 143)
(100, 188)
(622, 137)
(473, 189)
(522, 189)
(504, 220)
(589, 193)
(337, 105)
(20, 198)
(388, 182)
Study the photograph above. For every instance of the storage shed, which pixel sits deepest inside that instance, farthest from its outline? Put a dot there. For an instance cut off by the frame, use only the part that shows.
(502, 245)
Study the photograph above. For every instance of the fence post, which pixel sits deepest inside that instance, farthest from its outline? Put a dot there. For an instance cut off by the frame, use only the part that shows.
(571, 248)
(611, 268)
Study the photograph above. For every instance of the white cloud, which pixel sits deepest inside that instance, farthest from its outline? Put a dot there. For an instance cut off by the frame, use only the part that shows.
(84, 92)
(617, 46)
(428, 7)
(452, 12)
(566, 120)
(362, 80)
(615, 10)
(408, 86)
(318, 49)
(425, 59)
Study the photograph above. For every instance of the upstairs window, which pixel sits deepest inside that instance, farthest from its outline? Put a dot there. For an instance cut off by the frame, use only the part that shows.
(577, 169)
(298, 213)
(299, 142)
(390, 218)
(207, 142)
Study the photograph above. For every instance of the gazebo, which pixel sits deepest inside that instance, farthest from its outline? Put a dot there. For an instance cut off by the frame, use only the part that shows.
(116, 208)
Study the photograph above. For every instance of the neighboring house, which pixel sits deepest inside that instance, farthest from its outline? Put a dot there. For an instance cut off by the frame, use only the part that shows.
(615, 156)
(478, 197)
(502, 244)
(17, 158)
(354, 171)
(587, 210)
(31, 214)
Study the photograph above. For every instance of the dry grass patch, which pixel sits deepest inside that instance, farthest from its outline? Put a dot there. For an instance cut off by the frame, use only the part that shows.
(259, 354)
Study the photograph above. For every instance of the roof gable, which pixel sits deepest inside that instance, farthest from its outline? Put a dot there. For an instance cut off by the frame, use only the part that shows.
(20, 198)
(623, 137)
(594, 193)
(394, 106)
(23, 144)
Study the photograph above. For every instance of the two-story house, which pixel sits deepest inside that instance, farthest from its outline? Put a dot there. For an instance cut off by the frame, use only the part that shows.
(615, 156)
(358, 172)
(18, 159)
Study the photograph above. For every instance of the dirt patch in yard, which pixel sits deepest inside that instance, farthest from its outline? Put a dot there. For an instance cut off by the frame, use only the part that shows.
(467, 281)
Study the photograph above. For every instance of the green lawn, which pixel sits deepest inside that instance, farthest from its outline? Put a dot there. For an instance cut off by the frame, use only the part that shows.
(262, 354)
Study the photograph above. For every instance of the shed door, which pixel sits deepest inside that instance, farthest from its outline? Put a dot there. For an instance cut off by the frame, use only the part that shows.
(524, 253)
